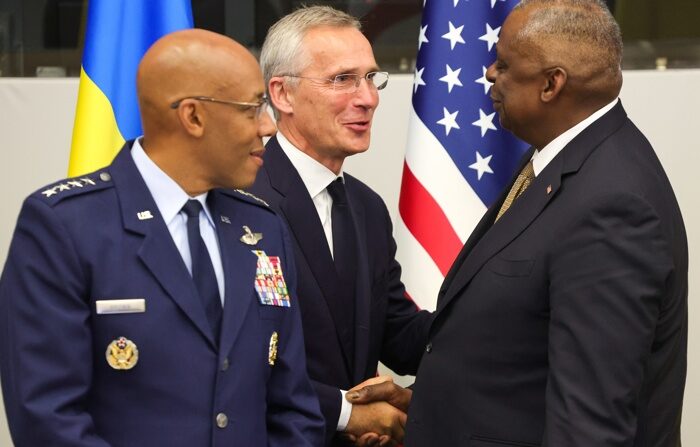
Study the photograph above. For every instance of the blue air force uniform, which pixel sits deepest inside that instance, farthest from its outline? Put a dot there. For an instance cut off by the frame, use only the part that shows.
(104, 341)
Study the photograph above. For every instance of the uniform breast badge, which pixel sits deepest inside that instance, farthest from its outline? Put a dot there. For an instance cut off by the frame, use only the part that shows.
(272, 351)
(269, 281)
(250, 238)
(122, 354)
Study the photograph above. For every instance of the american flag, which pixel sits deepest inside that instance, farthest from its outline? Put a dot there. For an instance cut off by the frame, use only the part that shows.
(458, 158)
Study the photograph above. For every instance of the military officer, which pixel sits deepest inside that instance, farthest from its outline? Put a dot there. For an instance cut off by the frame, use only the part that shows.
(134, 306)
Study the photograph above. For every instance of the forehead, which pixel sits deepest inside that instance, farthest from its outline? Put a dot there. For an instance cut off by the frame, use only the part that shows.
(512, 45)
(511, 27)
(332, 48)
(241, 77)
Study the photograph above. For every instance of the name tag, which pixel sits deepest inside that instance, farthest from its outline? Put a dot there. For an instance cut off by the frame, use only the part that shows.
(127, 306)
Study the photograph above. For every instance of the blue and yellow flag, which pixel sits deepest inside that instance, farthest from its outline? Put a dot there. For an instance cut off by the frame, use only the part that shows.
(118, 33)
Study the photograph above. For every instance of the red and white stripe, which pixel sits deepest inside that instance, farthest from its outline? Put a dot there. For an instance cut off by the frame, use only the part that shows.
(437, 212)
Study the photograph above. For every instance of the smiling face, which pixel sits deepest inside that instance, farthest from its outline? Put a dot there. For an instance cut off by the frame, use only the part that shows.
(518, 80)
(326, 124)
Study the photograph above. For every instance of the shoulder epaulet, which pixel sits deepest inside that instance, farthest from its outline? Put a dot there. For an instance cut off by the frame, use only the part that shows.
(247, 196)
(74, 186)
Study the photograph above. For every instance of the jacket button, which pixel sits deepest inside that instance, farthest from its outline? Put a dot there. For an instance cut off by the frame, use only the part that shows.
(221, 420)
(224, 365)
(428, 347)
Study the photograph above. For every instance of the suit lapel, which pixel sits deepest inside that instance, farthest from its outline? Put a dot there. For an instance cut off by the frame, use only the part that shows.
(239, 263)
(362, 285)
(519, 216)
(482, 227)
(301, 215)
(158, 251)
(490, 238)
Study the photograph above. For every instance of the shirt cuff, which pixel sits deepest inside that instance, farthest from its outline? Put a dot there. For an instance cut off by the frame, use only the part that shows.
(345, 410)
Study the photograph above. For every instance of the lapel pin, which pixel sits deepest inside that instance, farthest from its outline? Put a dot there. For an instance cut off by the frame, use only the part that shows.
(122, 354)
(225, 220)
(144, 215)
(549, 189)
(249, 237)
(272, 353)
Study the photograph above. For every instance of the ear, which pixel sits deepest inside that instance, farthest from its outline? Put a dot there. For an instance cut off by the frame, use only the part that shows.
(555, 80)
(191, 115)
(281, 95)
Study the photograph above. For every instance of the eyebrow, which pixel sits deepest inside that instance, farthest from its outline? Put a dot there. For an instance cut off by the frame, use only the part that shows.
(345, 70)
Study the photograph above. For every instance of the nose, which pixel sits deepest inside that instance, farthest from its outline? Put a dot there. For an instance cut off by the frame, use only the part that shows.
(266, 126)
(366, 95)
(491, 72)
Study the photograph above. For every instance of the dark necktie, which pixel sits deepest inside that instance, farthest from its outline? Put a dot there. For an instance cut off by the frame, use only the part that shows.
(344, 253)
(202, 268)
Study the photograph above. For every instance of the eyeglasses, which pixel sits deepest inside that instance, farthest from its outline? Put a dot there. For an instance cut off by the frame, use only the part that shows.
(350, 82)
(260, 106)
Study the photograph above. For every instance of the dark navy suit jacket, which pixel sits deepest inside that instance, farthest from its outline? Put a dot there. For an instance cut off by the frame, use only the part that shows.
(564, 323)
(84, 242)
(388, 326)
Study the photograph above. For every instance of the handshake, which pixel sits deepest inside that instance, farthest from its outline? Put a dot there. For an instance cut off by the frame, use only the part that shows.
(378, 413)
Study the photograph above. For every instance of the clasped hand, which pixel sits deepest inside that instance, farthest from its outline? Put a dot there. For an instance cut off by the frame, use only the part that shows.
(378, 412)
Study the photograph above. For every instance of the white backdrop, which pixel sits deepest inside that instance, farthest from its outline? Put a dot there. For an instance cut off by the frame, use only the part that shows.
(36, 119)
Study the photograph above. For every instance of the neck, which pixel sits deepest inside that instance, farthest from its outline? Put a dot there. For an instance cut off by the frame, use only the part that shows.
(334, 164)
(177, 164)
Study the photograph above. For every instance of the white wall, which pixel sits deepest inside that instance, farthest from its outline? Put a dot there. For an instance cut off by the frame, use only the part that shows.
(36, 118)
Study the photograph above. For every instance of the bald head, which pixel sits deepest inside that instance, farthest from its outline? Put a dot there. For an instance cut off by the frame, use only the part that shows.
(580, 36)
(201, 99)
(187, 63)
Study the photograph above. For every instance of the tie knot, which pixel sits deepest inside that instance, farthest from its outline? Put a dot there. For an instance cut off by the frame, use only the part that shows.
(192, 208)
(337, 191)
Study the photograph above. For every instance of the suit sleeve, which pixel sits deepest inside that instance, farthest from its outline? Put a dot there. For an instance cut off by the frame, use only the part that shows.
(45, 338)
(406, 328)
(607, 282)
(293, 414)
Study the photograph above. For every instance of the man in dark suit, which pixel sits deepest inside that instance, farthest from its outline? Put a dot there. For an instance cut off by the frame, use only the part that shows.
(134, 306)
(323, 82)
(563, 321)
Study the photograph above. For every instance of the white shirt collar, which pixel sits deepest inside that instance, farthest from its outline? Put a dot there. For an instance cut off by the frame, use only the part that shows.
(314, 175)
(168, 195)
(542, 157)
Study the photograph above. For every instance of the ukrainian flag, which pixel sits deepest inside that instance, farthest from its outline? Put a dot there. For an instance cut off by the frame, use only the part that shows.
(118, 34)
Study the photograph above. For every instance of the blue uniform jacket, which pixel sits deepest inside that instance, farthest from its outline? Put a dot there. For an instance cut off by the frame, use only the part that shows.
(93, 238)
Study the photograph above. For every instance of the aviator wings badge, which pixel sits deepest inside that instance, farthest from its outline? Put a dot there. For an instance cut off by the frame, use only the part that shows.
(249, 237)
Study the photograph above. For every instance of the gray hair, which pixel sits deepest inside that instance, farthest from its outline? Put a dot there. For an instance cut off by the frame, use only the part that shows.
(282, 52)
(586, 24)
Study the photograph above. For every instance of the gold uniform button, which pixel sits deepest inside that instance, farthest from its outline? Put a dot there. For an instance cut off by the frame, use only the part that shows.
(224, 365)
(221, 420)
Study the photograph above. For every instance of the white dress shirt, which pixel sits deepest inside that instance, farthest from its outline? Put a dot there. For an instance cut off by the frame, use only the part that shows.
(542, 157)
(170, 198)
(316, 178)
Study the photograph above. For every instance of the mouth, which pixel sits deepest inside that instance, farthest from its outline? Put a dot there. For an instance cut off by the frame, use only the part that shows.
(359, 126)
(257, 155)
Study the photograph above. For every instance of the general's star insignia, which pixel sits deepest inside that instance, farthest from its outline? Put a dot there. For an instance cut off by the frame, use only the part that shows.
(49, 192)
